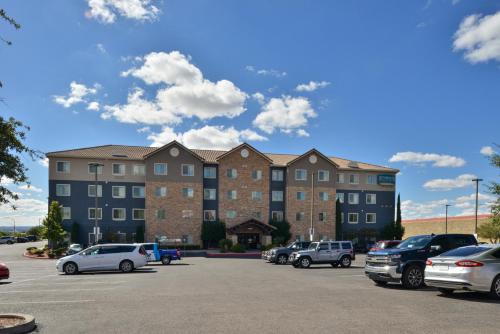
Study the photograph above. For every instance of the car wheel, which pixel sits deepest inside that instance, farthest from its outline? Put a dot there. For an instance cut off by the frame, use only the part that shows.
(282, 259)
(166, 260)
(495, 288)
(345, 262)
(445, 291)
(380, 283)
(126, 266)
(413, 277)
(305, 262)
(334, 264)
(70, 268)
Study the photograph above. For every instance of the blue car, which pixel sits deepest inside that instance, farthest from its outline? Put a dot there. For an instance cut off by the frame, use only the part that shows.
(156, 254)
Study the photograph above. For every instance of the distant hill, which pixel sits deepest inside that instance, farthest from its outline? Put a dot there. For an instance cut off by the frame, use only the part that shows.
(18, 228)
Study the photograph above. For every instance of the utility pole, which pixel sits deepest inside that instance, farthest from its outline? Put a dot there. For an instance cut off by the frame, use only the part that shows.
(311, 228)
(477, 199)
(446, 221)
(96, 216)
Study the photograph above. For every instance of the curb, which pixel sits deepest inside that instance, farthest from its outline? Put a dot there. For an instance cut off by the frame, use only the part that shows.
(25, 327)
(25, 254)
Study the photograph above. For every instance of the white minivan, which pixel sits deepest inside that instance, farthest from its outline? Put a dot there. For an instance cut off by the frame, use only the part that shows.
(124, 257)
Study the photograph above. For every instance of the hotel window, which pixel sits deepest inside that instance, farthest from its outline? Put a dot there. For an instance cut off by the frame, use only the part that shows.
(63, 166)
(371, 179)
(323, 196)
(277, 196)
(209, 172)
(118, 169)
(353, 198)
(209, 215)
(371, 218)
(118, 214)
(160, 168)
(138, 214)
(91, 190)
(187, 170)
(118, 191)
(231, 214)
(209, 194)
(340, 177)
(138, 192)
(160, 214)
(300, 175)
(232, 194)
(322, 217)
(277, 216)
(160, 191)
(340, 197)
(256, 195)
(63, 190)
(323, 175)
(93, 167)
(232, 173)
(299, 216)
(301, 195)
(187, 214)
(354, 179)
(187, 192)
(256, 175)
(371, 198)
(277, 175)
(139, 170)
(257, 215)
(91, 212)
(66, 212)
(353, 218)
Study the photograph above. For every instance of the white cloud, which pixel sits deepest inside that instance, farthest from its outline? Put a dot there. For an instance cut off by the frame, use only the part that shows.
(266, 72)
(5, 181)
(479, 37)
(77, 94)
(461, 181)
(94, 106)
(208, 137)
(454, 2)
(286, 114)
(25, 206)
(438, 160)
(101, 48)
(487, 150)
(106, 11)
(259, 97)
(411, 209)
(311, 86)
(44, 162)
(144, 129)
(31, 188)
(302, 133)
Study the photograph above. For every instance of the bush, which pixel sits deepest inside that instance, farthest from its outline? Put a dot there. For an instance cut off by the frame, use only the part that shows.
(212, 232)
(51, 254)
(60, 251)
(29, 249)
(238, 248)
(225, 245)
(38, 252)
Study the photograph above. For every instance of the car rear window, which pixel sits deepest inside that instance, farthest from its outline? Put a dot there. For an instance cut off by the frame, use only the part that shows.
(466, 251)
(148, 246)
(125, 249)
(346, 245)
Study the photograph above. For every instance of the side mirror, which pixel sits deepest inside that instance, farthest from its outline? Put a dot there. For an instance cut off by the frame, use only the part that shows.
(435, 248)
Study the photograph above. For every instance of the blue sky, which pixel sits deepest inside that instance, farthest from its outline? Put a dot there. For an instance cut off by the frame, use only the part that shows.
(408, 84)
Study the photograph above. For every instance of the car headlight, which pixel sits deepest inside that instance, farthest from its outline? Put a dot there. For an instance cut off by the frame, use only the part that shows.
(273, 252)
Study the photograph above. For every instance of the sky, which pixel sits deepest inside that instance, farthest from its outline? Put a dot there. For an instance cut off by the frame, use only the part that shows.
(413, 85)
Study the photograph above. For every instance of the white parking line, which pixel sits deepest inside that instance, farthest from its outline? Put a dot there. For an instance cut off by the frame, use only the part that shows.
(52, 302)
(55, 290)
(74, 282)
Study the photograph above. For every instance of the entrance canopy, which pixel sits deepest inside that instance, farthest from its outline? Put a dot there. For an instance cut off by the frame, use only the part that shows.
(251, 226)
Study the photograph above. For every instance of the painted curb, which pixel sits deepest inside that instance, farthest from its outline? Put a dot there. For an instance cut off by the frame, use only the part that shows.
(25, 327)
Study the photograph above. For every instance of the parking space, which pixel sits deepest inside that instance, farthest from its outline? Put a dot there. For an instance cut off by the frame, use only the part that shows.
(199, 295)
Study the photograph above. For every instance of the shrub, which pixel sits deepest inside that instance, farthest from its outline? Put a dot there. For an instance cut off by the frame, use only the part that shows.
(238, 248)
(29, 249)
(38, 252)
(51, 254)
(60, 251)
(225, 245)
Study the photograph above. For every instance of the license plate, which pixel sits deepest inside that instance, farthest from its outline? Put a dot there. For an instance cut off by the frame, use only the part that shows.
(443, 267)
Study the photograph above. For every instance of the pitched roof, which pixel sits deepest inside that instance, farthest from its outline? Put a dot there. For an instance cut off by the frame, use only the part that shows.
(174, 142)
(244, 145)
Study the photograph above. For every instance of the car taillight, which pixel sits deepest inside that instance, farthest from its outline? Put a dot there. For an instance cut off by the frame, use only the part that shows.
(178, 252)
(468, 263)
(428, 263)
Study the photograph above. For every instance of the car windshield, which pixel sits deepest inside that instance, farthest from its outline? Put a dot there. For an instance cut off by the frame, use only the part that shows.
(415, 242)
(313, 245)
(292, 245)
(466, 251)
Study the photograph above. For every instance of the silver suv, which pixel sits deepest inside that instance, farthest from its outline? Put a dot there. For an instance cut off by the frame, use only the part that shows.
(320, 252)
(8, 240)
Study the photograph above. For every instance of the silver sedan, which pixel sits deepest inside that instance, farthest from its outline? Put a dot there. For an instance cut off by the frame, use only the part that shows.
(470, 268)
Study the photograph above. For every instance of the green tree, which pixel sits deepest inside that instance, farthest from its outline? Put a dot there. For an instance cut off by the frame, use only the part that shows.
(75, 228)
(53, 229)
(213, 232)
(491, 229)
(339, 235)
(139, 233)
(281, 234)
(36, 231)
(399, 229)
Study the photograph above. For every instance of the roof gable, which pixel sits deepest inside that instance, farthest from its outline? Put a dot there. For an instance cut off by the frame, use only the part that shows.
(246, 145)
(174, 142)
(313, 151)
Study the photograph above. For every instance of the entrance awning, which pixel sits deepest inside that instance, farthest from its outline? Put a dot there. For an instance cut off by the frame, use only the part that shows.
(251, 226)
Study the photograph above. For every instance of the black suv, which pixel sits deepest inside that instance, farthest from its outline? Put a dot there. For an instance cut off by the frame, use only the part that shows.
(406, 262)
(279, 255)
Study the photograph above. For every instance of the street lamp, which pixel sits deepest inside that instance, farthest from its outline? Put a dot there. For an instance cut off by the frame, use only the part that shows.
(477, 199)
(446, 221)
(96, 228)
(311, 228)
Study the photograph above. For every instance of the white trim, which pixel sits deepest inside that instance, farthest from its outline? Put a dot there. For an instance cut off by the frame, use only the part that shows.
(98, 168)
(64, 184)
(259, 174)
(280, 212)
(338, 196)
(99, 216)
(187, 193)
(280, 172)
(65, 161)
(99, 186)
(231, 196)
(232, 177)
(113, 214)
(302, 170)
(210, 167)
(141, 165)
(160, 163)
(134, 187)
(210, 191)
(258, 198)
(368, 176)
(356, 175)
(113, 192)
(134, 210)
(353, 213)
(277, 192)
(366, 218)
(118, 174)
(182, 169)
(327, 173)
(327, 196)
(374, 196)
(349, 198)
(340, 178)
(159, 187)
(210, 220)
(297, 196)
(187, 214)
(62, 213)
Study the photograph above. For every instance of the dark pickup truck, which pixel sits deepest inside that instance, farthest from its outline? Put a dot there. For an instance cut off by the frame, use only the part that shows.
(406, 262)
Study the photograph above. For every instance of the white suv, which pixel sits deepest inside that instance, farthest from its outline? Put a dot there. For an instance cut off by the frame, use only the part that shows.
(333, 252)
(124, 257)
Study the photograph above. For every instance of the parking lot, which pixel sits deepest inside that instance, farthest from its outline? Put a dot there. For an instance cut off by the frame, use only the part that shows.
(199, 295)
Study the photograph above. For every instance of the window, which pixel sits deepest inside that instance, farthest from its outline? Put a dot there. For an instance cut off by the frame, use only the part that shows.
(323, 196)
(66, 212)
(63, 166)
(91, 190)
(256, 195)
(300, 175)
(119, 214)
(277, 175)
(277, 216)
(210, 172)
(209, 215)
(335, 245)
(232, 194)
(340, 178)
(139, 170)
(138, 214)
(92, 213)
(353, 218)
(346, 245)
(118, 191)
(371, 198)
(371, 218)
(92, 168)
(342, 220)
(322, 217)
(277, 196)
(324, 246)
(118, 169)
(257, 215)
(63, 190)
(231, 214)
(138, 192)
(160, 214)
(209, 194)
(301, 195)
(323, 175)
(232, 173)
(187, 170)
(188, 192)
(371, 179)
(353, 198)
(299, 216)
(340, 197)
(160, 191)
(354, 179)
(160, 168)
(257, 175)
(187, 214)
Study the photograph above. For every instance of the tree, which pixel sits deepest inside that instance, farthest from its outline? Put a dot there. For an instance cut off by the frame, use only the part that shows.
(281, 234)
(399, 229)
(36, 231)
(53, 229)
(213, 232)
(491, 229)
(338, 221)
(75, 228)
(139, 233)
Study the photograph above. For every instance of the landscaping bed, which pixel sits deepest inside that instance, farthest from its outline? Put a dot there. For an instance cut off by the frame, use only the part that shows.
(45, 252)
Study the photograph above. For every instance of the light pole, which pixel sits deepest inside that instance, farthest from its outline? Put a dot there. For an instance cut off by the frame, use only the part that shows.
(477, 199)
(446, 221)
(311, 228)
(96, 231)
